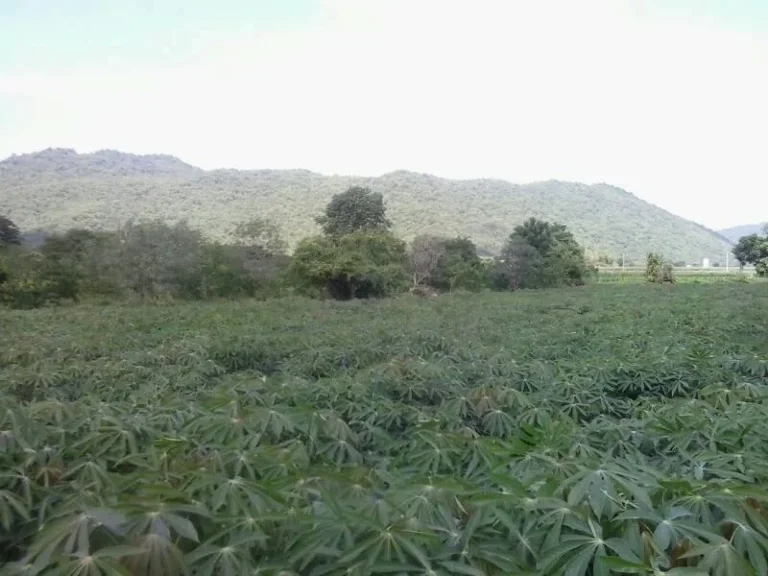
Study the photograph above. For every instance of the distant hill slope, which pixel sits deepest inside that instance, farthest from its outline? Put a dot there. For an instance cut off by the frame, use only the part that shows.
(58, 189)
(733, 234)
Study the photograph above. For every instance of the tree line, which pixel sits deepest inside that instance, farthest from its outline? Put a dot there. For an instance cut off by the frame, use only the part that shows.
(356, 256)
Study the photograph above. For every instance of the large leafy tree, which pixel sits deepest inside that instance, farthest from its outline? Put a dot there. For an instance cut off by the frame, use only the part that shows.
(540, 254)
(753, 249)
(459, 266)
(446, 263)
(358, 265)
(358, 209)
(9, 232)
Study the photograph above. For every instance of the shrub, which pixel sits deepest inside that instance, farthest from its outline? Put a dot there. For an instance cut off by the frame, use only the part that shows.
(658, 271)
(31, 281)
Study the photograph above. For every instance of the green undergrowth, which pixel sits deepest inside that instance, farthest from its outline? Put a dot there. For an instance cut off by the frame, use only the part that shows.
(588, 431)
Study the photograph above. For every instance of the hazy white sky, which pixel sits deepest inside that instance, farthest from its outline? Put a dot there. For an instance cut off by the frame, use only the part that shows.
(666, 98)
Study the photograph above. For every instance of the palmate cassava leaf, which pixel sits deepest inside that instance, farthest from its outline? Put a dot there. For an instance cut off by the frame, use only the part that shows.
(605, 430)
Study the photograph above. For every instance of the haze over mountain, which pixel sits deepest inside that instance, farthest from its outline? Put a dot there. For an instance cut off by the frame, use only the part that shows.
(735, 232)
(56, 189)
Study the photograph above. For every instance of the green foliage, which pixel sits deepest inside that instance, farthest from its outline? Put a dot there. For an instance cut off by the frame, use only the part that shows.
(564, 432)
(358, 265)
(29, 280)
(58, 189)
(753, 249)
(71, 263)
(251, 266)
(459, 267)
(260, 233)
(154, 259)
(540, 254)
(446, 264)
(147, 259)
(236, 271)
(9, 232)
(658, 271)
(356, 210)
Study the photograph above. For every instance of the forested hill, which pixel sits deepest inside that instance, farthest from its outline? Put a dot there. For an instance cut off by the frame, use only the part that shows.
(733, 234)
(57, 189)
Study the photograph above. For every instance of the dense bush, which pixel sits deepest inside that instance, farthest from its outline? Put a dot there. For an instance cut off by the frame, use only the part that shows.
(29, 280)
(145, 260)
(540, 254)
(233, 271)
(658, 271)
(358, 265)
(446, 264)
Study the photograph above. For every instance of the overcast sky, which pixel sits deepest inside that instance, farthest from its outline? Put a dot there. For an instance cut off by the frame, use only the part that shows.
(666, 98)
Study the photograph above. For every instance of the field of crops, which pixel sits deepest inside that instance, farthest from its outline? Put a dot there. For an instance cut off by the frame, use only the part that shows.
(588, 431)
(636, 275)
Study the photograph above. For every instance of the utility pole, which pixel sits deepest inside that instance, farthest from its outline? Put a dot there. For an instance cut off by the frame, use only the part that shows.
(622, 262)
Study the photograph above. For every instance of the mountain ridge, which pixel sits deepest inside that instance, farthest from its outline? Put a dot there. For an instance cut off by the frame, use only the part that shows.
(100, 161)
(55, 189)
(735, 232)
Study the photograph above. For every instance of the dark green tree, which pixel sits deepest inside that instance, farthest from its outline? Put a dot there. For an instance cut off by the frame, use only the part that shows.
(459, 266)
(753, 249)
(358, 209)
(358, 265)
(541, 234)
(540, 254)
(9, 232)
(520, 266)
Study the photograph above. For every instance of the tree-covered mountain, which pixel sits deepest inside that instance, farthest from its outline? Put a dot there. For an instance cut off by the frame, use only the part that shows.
(58, 189)
(733, 234)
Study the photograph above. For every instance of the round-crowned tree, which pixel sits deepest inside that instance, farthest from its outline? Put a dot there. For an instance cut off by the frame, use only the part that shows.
(356, 210)
(540, 254)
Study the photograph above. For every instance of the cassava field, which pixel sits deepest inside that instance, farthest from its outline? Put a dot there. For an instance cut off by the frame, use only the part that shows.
(589, 431)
